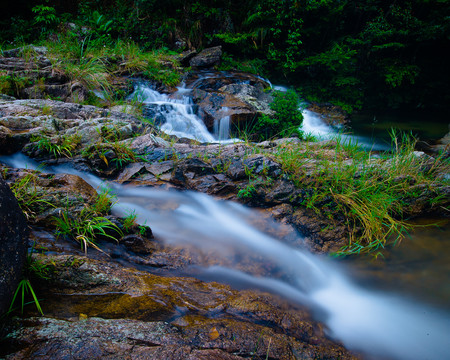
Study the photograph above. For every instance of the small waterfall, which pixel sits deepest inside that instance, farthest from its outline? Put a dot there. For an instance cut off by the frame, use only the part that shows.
(175, 115)
(314, 124)
(222, 126)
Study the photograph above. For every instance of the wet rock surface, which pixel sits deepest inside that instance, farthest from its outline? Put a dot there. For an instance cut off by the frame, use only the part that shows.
(332, 114)
(240, 96)
(206, 58)
(57, 193)
(103, 310)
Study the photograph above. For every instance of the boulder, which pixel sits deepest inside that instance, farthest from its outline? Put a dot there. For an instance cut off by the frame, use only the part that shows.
(237, 95)
(100, 308)
(207, 58)
(186, 56)
(59, 192)
(213, 106)
(13, 244)
(44, 91)
(211, 80)
(253, 96)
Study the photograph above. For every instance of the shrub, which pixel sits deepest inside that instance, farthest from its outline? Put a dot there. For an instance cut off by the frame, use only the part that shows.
(286, 120)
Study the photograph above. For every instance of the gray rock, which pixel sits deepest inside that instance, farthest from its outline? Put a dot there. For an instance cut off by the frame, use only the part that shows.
(13, 244)
(186, 56)
(207, 58)
(39, 50)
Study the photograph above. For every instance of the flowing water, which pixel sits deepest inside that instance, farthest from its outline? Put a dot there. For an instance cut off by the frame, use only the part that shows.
(314, 124)
(176, 116)
(379, 324)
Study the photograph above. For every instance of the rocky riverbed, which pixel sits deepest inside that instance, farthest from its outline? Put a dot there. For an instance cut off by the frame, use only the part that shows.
(138, 297)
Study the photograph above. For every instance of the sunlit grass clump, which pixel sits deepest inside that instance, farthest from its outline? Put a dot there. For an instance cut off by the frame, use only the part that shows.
(373, 192)
(89, 225)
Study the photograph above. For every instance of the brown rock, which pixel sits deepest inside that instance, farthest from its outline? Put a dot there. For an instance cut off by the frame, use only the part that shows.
(212, 104)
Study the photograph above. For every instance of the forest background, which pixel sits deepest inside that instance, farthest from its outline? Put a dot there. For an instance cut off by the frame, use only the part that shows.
(366, 54)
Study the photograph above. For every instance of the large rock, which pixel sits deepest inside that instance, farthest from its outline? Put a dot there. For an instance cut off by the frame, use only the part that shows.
(20, 51)
(207, 58)
(13, 244)
(213, 106)
(253, 96)
(20, 120)
(40, 79)
(237, 95)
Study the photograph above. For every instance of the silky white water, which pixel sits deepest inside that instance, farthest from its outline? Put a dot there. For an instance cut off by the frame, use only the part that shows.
(178, 115)
(374, 323)
(313, 124)
(377, 324)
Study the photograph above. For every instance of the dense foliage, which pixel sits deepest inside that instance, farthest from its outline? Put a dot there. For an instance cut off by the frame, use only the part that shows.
(353, 53)
(284, 122)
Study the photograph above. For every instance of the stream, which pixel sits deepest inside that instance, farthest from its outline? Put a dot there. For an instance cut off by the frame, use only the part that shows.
(380, 324)
(176, 115)
(399, 318)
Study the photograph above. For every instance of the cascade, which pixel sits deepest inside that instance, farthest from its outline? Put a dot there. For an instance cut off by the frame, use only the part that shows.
(175, 115)
(314, 124)
(222, 126)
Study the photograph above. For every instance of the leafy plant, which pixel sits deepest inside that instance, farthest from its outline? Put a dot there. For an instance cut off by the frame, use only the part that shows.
(30, 199)
(85, 228)
(57, 146)
(103, 203)
(33, 268)
(247, 192)
(129, 221)
(11, 84)
(90, 72)
(23, 289)
(286, 120)
(372, 193)
(123, 154)
(45, 17)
